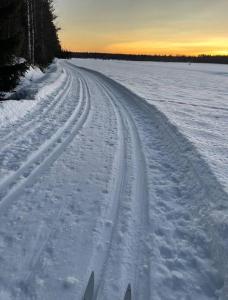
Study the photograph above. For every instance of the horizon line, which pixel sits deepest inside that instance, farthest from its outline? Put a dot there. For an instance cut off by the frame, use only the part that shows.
(144, 54)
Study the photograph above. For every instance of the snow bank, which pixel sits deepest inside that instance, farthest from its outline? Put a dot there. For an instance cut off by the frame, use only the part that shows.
(32, 74)
(34, 87)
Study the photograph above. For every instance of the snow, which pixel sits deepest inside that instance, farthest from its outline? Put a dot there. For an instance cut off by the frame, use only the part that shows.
(34, 87)
(4, 296)
(70, 281)
(32, 74)
(94, 177)
(193, 96)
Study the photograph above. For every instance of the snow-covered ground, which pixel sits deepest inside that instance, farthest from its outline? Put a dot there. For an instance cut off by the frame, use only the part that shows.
(193, 96)
(34, 87)
(130, 185)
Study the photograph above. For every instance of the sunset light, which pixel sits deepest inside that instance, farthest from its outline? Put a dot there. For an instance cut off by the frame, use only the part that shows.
(149, 27)
(114, 149)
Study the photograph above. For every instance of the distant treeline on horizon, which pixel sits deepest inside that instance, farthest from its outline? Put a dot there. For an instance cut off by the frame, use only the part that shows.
(216, 59)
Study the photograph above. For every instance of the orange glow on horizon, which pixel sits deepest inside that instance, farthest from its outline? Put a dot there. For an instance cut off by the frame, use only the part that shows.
(144, 27)
(193, 47)
(150, 48)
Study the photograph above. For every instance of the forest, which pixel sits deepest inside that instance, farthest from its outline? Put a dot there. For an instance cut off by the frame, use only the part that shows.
(28, 36)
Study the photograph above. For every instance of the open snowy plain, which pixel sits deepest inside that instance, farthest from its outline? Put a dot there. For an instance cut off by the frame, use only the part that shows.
(118, 168)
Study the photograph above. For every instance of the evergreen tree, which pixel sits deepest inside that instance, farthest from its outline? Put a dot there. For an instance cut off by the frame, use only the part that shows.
(27, 31)
(11, 41)
(42, 38)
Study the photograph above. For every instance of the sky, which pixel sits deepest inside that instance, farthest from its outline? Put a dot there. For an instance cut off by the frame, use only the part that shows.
(189, 27)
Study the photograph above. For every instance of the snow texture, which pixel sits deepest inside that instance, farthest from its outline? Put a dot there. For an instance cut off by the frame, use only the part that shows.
(34, 87)
(193, 96)
(120, 179)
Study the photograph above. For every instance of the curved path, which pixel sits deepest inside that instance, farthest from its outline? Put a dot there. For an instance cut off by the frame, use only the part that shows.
(96, 180)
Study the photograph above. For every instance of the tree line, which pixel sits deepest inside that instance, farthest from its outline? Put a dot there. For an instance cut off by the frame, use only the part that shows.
(215, 59)
(28, 36)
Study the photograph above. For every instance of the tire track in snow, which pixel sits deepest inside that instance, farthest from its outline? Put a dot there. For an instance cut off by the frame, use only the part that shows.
(48, 152)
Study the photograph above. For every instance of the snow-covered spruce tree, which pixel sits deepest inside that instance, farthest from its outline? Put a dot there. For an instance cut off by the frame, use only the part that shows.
(11, 43)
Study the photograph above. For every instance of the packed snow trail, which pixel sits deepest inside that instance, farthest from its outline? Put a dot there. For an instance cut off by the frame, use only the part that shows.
(100, 181)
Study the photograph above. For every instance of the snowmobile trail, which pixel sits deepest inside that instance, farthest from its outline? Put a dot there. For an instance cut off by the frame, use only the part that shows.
(100, 182)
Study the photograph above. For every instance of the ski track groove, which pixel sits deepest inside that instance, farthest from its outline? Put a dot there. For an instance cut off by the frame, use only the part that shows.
(129, 184)
(49, 151)
(174, 138)
(45, 233)
(46, 106)
(29, 127)
(140, 193)
(127, 127)
(120, 183)
(35, 258)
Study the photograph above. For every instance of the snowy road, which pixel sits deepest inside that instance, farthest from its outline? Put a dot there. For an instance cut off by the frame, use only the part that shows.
(96, 179)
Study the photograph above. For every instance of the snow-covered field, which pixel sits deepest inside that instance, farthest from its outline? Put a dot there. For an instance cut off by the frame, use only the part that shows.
(128, 181)
(193, 96)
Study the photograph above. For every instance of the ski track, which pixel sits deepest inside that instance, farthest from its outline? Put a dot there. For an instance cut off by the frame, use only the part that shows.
(97, 180)
(11, 133)
(46, 111)
(131, 220)
(13, 184)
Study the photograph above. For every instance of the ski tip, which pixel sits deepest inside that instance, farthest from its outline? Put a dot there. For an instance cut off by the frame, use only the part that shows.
(92, 276)
(128, 293)
(90, 288)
